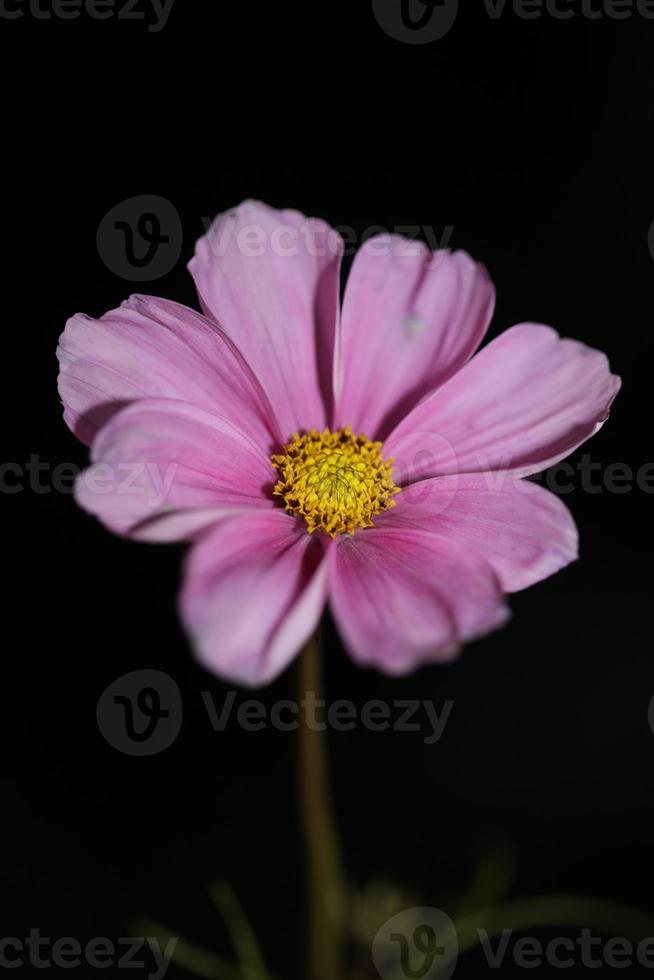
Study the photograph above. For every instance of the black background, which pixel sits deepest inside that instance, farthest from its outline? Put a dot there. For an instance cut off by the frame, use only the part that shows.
(533, 140)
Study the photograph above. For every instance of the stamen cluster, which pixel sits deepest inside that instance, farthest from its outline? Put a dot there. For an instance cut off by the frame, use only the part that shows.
(336, 481)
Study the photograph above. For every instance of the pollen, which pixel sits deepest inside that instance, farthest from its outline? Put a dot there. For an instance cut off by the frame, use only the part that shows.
(336, 481)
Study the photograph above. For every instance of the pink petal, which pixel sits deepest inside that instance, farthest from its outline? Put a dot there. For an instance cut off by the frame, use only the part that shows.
(254, 591)
(525, 533)
(271, 279)
(151, 348)
(524, 402)
(402, 597)
(411, 318)
(164, 469)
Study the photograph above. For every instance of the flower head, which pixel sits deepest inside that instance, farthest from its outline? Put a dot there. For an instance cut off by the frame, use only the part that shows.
(314, 452)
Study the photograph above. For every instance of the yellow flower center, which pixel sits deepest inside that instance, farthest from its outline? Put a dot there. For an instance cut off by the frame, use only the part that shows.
(336, 481)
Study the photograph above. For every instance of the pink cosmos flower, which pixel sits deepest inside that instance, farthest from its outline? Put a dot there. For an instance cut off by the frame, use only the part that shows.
(247, 430)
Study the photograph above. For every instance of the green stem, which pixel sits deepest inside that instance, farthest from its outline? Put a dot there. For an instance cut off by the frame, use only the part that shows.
(326, 882)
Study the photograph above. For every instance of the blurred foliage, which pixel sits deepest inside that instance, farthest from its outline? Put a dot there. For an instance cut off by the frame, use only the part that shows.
(484, 905)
